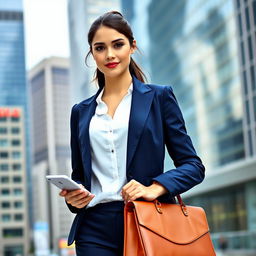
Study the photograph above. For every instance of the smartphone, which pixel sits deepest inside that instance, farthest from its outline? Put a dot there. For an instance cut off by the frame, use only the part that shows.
(63, 182)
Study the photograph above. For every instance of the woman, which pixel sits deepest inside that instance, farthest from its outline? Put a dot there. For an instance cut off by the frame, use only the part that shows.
(118, 139)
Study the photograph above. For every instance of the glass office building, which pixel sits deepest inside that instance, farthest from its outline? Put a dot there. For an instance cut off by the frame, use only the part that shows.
(49, 90)
(246, 23)
(13, 94)
(194, 48)
(206, 51)
(12, 61)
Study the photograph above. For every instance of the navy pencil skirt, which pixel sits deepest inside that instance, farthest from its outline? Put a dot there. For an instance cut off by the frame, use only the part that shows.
(101, 232)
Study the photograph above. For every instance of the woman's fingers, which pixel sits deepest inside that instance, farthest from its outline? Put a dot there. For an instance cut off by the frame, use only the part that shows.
(82, 203)
(78, 198)
(71, 199)
(63, 192)
(132, 190)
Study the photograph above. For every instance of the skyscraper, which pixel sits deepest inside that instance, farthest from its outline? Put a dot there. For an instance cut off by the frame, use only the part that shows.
(196, 46)
(50, 108)
(246, 23)
(81, 15)
(14, 146)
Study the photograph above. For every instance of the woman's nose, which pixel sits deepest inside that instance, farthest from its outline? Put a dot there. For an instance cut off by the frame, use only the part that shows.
(110, 54)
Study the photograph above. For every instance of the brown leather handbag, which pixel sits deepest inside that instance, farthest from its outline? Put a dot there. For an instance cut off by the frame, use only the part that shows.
(161, 229)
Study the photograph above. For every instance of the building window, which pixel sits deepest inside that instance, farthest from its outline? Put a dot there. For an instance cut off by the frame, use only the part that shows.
(18, 204)
(16, 155)
(12, 232)
(16, 167)
(13, 250)
(254, 106)
(253, 78)
(17, 191)
(247, 19)
(18, 217)
(11, 15)
(225, 209)
(5, 205)
(240, 24)
(245, 83)
(15, 142)
(6, 217)
(4, 154)
(15, 119)
(3, 142)
(3, 119)
(254, 12)
(247, 111)
(250, 142)
(242, 52)
(4, 179)
(5, 191)
(3, 130)
(17, 179)
(250, 47)
(4, 167)
(15, 130)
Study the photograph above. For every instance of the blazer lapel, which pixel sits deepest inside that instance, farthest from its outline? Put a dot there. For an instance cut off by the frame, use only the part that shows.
(142, 97)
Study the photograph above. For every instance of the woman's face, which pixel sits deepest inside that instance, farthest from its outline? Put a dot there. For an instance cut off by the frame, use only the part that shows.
(111, 51)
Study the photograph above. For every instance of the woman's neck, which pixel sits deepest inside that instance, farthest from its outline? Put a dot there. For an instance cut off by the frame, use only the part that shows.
(117, 85)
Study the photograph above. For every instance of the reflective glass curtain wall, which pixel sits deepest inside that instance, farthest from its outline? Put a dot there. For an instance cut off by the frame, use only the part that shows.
(193, 47)
(13, 90)
(246, 23)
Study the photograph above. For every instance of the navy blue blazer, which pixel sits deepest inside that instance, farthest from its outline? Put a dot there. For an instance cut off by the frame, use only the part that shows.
(155, 122)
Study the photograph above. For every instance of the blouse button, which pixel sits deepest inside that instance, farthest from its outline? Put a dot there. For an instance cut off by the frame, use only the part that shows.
(112, 150)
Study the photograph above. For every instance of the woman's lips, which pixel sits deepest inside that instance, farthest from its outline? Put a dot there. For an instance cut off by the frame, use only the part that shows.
(112, 64)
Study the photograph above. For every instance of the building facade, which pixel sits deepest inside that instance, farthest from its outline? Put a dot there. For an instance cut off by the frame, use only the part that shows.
(246, 37)
(13, 94)
(81, 15)
(14, 231)
(206, 51)
(50, 111)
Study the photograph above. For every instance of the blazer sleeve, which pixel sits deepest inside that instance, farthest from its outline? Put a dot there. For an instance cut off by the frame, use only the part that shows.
(76, 159)
(189, 169)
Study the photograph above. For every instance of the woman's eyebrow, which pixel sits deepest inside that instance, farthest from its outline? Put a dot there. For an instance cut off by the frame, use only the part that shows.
(118, 39)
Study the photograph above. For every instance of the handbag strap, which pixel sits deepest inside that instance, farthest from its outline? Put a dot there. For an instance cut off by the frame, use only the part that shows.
(182, 205)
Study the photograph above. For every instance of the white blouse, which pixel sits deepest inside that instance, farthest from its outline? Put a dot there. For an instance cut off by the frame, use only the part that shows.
(108, 140)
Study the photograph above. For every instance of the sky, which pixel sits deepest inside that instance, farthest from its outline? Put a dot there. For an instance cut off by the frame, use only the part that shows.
(46, 30)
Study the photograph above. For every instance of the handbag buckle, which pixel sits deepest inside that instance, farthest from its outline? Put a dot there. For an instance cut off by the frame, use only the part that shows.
(158, 207)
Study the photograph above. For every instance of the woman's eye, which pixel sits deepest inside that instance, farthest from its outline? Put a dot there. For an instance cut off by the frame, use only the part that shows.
(99, 48)
(118, 45)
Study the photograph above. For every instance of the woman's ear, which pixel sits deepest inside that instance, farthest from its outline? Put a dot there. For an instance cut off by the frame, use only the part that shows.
(133, 47)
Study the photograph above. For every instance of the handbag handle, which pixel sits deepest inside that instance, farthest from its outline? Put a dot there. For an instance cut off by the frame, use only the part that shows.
(181, 203)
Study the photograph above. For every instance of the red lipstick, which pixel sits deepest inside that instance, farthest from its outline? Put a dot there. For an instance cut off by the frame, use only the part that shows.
(112, 64)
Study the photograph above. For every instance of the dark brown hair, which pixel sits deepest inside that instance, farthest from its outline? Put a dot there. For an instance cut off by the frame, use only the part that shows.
(115, 20)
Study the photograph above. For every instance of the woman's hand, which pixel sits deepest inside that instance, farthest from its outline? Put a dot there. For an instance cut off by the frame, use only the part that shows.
(77, 198)
(134, 190)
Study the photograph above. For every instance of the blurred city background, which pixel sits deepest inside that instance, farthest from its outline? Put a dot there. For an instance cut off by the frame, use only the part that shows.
(205, 49)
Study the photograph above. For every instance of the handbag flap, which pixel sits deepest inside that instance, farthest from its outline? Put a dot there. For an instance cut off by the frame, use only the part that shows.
(172, 224)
